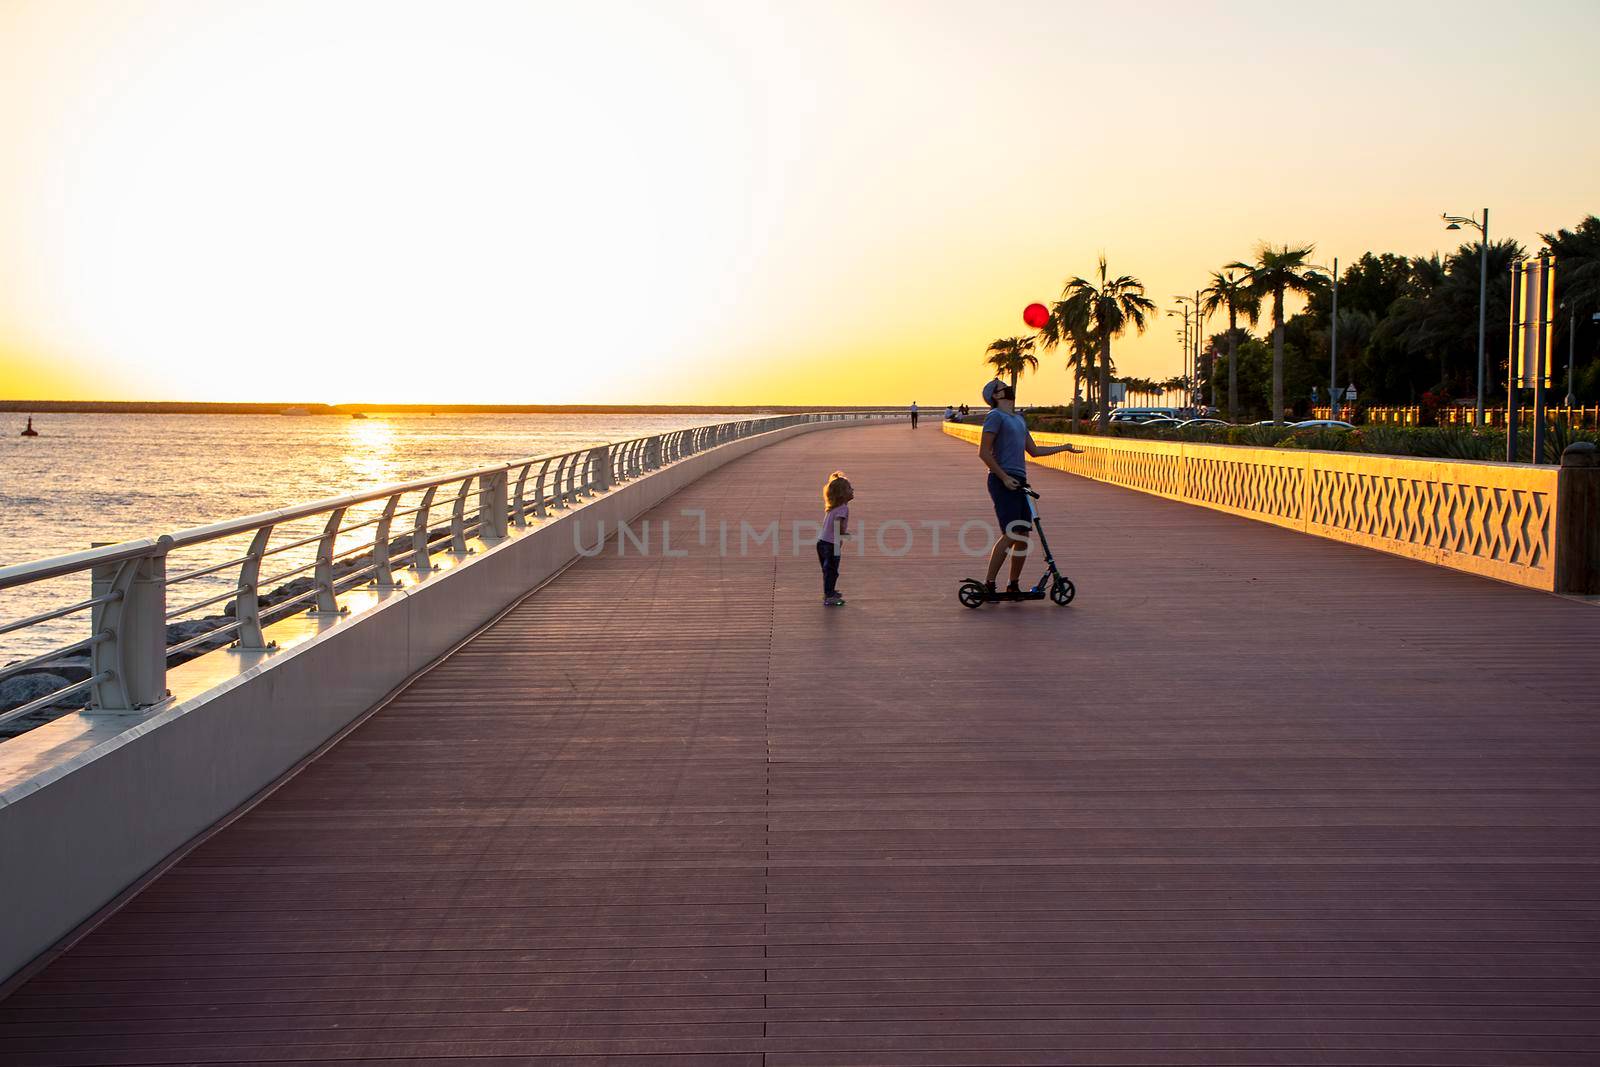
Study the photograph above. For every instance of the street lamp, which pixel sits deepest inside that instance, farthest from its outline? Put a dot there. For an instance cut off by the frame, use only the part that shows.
(1333, 353)
(1183, 302)
(1455, 223)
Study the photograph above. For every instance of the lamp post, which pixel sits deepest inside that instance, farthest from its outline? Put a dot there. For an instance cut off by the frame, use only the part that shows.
(1199, 324)
(1455, 223)
(1183, 302)
(1333, 355)
(1572, 339)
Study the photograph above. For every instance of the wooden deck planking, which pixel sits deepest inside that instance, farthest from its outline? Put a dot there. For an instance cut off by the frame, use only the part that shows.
(1254, 798)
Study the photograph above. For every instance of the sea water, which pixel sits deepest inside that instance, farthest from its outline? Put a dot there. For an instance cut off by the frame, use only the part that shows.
(96, 478)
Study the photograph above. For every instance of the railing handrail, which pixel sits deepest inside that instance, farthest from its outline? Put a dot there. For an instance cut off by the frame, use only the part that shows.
(39, 570)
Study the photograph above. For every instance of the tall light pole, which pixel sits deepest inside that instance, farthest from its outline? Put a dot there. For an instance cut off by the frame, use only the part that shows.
(1455, 223)
(1188, 374)
(1333, 361)
(1572, 344)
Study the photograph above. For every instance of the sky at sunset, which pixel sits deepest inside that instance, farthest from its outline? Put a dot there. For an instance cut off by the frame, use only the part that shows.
(719, 202)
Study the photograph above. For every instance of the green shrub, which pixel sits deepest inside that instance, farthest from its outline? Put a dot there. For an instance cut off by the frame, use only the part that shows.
(1321, 439)
(1425, 442)
(1257, 436)
(1385, 440)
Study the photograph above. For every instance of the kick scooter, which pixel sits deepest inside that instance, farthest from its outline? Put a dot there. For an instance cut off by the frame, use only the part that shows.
(975, 594)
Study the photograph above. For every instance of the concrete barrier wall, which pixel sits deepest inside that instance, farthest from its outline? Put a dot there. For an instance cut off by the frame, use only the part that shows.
(90, 803)
(1497, 520)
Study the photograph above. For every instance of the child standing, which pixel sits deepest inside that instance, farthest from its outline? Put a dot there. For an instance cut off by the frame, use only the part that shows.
(836, 497)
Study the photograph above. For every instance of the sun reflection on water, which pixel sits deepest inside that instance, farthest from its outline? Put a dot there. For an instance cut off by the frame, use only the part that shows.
(369, 452)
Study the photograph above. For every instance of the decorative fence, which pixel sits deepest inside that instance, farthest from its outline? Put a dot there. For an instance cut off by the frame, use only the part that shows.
(116, 629)
(1585, 417)
(1533, 526)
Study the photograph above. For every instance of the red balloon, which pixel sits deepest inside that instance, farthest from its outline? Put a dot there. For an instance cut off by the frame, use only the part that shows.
(1036, 315)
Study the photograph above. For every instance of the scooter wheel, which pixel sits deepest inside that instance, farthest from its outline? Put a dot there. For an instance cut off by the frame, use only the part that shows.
(1063, 591)
(971, 594)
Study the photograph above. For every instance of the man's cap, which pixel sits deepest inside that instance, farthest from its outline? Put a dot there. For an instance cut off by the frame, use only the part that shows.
(988, 390)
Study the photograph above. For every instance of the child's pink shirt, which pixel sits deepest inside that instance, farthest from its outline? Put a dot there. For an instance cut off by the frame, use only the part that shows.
(831, 522)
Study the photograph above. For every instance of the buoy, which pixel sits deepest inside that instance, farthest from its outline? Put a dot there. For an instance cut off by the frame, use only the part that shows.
(30, 431)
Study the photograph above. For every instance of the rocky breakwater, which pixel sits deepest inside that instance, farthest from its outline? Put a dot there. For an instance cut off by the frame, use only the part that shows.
(47, 677)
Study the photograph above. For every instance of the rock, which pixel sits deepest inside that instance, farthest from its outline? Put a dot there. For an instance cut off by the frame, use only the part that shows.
(19, 689)
(178, 632)
(72, 668)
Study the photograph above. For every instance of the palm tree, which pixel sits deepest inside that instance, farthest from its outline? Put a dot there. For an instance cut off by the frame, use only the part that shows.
(1103, 312)
(1175, 384)
(1276, 271)
(1355, 334)
(1012, 355)
(1057, 331)
(1578, 257)
(1231, 291)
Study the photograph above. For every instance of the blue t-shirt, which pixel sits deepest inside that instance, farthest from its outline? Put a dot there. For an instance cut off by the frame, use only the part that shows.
(1010, 441)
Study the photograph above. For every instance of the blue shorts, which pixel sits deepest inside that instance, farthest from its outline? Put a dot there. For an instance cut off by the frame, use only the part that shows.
(1010, 505)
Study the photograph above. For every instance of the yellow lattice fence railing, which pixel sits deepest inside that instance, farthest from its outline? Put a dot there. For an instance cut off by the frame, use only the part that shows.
(1499, 520)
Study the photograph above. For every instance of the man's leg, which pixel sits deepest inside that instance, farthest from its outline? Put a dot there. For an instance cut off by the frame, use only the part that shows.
(997, 555)
(1019, 556)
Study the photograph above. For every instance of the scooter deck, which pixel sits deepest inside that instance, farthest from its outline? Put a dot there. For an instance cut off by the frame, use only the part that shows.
(1000, 596)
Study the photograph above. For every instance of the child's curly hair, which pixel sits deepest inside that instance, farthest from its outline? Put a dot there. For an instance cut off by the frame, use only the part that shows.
(833, 491)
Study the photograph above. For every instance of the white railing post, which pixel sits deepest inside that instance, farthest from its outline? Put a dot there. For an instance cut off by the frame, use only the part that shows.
(382, 572)
(493, 503)
(602, 467)
(539, 510)
(419, 534)
(575, 477)
(327, 601)
(520, 501)
(458, 518)
(130, 656)
(558, 486)
(247, 601)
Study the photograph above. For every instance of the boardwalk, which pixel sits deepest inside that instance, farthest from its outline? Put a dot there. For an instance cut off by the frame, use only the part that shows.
(1255, 798)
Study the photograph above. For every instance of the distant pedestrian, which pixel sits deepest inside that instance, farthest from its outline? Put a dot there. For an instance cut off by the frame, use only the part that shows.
(836, 497)
(913, 414)
(949, 413)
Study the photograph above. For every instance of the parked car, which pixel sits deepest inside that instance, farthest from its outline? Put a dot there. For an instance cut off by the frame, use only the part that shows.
(1162, 423)
(1203, 422)
(1330, 424)
(1141, 415)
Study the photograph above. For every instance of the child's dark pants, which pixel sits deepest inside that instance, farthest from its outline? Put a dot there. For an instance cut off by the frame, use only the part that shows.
(830, 567)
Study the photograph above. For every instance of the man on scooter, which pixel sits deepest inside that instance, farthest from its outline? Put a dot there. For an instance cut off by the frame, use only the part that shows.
(1005, 446)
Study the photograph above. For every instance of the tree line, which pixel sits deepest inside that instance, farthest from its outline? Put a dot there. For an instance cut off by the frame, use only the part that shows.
(1408, 327)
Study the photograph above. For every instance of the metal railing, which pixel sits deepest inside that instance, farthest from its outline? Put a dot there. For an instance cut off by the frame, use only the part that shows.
(325, 548)
(1461, 416)
(1529, 525)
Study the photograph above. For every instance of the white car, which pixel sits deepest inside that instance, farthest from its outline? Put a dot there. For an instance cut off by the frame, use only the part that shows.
(1330, 424)
(1203, 422)
(1141, 415)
